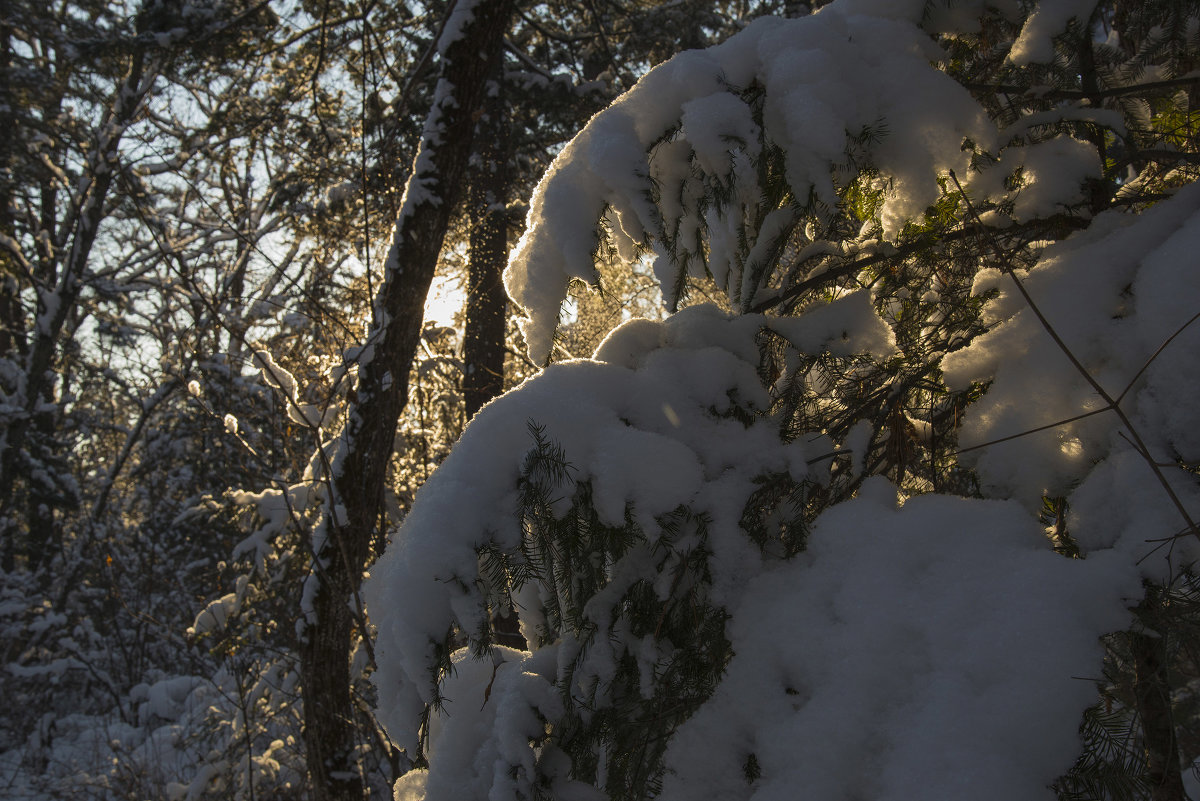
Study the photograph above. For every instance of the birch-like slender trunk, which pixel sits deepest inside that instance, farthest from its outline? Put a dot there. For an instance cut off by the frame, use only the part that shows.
(342, 545)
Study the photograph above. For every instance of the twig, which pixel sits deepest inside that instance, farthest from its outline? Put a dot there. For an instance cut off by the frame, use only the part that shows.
(1111, 403)
(1032, 431)
(1075, 94)
(1155, 355)
(921, 243)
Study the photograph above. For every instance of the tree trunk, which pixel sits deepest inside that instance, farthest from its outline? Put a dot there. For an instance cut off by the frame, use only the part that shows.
(483, 338)
(484, 330)
(355, 513)
(12, 323)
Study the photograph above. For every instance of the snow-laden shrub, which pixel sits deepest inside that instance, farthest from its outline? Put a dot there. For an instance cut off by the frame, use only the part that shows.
(747, 559)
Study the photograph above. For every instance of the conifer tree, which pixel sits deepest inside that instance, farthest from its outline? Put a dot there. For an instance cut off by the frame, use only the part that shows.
(901, 207)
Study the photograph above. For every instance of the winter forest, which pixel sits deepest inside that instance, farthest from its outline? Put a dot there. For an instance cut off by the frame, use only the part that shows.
(599, 399)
